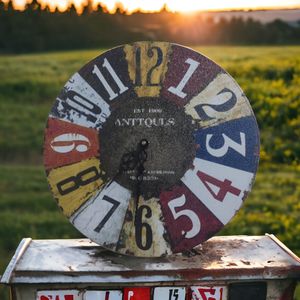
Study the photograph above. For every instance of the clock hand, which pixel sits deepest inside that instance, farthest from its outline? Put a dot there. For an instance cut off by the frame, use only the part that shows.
(140, 169)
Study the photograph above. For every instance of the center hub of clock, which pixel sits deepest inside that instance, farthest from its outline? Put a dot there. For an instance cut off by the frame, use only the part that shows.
(151, 132)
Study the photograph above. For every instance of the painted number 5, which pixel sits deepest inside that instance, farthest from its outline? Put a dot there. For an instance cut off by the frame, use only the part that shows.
(228, 143)
(196, 225)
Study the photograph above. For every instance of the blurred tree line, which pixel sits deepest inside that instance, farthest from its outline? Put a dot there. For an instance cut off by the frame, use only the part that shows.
(37, 29)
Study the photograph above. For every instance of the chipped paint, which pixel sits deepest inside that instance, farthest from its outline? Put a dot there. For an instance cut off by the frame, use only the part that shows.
(218, 260)
(73, 185)
(59, 295)
(67, 143)
(144, 236)
(101, 217)
(208, 292)
(79, 103)
(189, 111)
(147, 65)
(238, 181)
(221, 101)
(103, 295)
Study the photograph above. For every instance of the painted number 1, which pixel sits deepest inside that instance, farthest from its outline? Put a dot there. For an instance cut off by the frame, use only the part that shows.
(112, 94)
(178, 90)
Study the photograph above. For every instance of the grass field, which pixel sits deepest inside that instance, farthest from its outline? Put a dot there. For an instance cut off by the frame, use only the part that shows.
(29, 84)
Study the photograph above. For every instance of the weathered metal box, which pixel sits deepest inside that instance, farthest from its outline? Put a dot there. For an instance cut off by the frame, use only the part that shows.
(231, 267)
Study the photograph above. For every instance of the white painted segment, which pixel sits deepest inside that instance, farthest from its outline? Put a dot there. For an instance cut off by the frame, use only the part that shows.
(77, 84)
(213, 95)
(209, 292)
(226, 209)
(59, 295)
(103, 295)
(107, 209)
(169, 293)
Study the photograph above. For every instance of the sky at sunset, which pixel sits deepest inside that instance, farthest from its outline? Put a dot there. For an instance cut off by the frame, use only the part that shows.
(173, 5)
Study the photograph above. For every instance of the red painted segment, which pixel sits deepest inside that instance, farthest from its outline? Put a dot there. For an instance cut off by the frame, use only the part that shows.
(68, 143)
(187, 220)
(139, 293)
(183, 62)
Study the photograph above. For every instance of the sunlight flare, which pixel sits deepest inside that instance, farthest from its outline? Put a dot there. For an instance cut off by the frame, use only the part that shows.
(130, 6)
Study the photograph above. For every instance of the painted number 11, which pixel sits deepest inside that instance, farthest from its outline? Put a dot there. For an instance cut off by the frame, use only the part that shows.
(112, 94)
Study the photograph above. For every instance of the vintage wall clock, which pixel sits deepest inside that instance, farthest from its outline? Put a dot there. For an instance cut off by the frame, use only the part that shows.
(150, 149)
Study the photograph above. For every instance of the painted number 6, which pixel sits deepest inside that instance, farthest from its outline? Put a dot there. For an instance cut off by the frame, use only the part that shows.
(196, 225)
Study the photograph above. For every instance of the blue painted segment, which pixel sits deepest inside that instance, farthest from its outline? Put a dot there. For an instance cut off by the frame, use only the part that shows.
(234, 144)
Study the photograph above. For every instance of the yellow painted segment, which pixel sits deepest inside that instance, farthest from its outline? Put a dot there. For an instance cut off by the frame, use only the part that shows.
(148, 75)
(159, 245)
(212, 95)
(67, 179)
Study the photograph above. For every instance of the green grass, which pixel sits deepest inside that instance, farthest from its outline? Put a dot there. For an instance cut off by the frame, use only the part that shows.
(270, 77)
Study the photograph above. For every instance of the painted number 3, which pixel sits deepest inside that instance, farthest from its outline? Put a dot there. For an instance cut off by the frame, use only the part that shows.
(228, 143)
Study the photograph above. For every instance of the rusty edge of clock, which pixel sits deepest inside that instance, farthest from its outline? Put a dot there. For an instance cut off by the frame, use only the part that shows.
(220, 258)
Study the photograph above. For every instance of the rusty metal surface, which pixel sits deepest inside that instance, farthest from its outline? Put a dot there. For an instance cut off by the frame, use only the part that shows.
(220, 258)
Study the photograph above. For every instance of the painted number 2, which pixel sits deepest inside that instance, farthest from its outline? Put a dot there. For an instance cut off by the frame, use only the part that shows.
(224, 101)
(196, 225)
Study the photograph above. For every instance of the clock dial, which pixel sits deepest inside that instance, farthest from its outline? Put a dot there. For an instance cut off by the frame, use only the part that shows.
(150, 149)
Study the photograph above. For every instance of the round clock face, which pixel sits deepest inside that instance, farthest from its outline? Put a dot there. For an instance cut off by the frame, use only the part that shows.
(150, 149)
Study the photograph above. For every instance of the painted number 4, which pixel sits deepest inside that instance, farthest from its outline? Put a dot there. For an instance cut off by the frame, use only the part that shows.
(222, 187)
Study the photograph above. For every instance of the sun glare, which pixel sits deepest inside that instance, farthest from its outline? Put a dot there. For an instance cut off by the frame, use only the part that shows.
(130, 6)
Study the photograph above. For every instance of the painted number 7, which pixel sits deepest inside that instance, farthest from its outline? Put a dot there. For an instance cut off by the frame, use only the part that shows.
(115, 205)
(196, 225)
